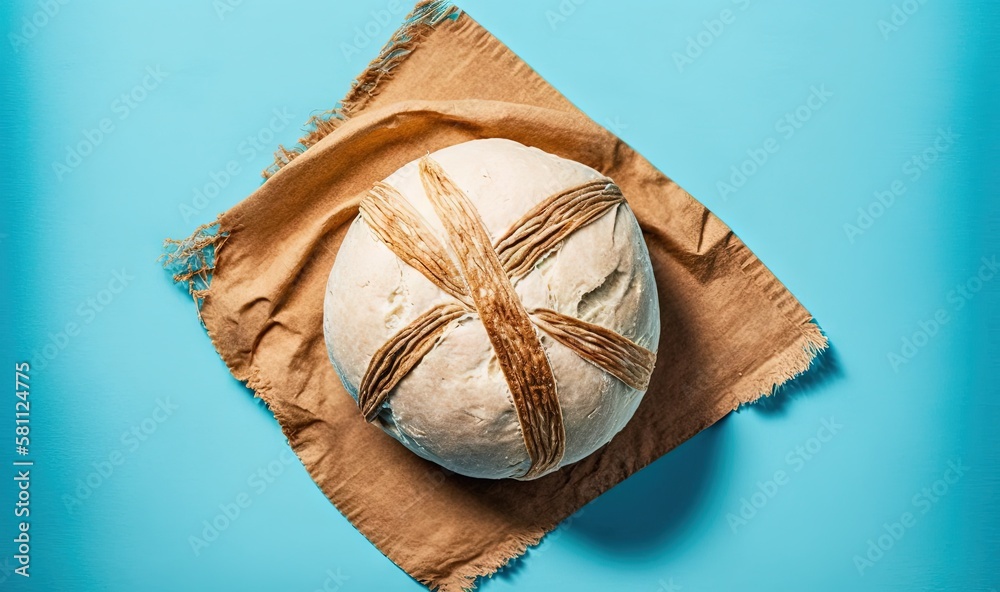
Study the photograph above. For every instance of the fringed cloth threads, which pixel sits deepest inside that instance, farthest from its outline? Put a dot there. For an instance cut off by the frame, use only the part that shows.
(425, 16)
(191, 260)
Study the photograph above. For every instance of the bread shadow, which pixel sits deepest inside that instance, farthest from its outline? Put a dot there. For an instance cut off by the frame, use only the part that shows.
(655, 506)
(643, 513)
(655, 510)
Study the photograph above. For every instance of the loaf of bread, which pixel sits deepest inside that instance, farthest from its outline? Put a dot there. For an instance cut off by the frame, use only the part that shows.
(493, 309)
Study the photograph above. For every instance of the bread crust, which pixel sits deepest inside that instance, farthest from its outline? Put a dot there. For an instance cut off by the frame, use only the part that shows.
(570, 253)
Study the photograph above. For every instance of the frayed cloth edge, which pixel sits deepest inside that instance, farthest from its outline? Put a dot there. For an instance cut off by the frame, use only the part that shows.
(425, 16)
(192, 260)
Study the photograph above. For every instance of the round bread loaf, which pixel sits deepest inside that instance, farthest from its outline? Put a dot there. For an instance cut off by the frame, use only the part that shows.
(414, 327)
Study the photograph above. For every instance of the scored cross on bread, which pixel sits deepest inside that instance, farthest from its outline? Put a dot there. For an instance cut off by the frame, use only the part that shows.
(481, 283)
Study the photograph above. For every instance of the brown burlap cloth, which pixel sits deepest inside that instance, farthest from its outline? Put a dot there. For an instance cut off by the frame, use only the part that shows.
(731, 331)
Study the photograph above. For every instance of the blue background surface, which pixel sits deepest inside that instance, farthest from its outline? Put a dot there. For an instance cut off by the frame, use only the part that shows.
(63, 236)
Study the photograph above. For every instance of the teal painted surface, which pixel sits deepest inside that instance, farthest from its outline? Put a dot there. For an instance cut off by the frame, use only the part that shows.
(137, 382)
